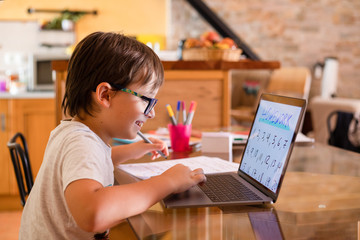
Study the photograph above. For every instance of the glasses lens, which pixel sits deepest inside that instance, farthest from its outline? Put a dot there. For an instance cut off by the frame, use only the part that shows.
(150, 106)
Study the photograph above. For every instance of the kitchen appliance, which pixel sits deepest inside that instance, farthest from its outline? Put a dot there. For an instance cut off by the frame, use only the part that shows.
(328, 71)
(40, 72)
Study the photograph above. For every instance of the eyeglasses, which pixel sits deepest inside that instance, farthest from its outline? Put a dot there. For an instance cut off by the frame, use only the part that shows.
(151, 101)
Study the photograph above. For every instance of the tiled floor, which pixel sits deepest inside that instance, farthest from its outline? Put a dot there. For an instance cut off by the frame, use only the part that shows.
(10, 224)
(10, 216)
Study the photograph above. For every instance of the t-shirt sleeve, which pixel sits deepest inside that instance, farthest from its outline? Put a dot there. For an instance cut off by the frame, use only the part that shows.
(84, 158)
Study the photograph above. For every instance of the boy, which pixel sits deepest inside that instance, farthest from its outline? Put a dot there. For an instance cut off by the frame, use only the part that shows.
(109, 76)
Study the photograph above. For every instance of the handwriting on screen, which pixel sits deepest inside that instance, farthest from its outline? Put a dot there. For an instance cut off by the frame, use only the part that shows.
(276, 118)
(269, 143)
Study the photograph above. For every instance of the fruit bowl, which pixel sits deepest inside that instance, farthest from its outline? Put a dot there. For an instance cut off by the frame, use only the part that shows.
(210, 47)
(205, 54)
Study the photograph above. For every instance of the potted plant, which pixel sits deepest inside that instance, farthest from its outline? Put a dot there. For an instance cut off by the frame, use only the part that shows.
(68, 19)
(64, 22)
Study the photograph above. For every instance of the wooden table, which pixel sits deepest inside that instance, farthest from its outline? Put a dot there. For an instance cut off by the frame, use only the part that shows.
(319, 199)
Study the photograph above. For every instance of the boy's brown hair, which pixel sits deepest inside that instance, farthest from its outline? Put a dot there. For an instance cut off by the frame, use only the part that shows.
(107, 57)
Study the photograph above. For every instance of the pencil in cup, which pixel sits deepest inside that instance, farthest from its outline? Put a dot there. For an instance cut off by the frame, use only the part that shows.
(171, 114)
(191, 113)
(178, 111)
(183, 111)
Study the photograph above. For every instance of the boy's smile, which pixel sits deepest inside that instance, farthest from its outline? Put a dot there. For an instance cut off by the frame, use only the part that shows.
(130, 109)
(140, 124)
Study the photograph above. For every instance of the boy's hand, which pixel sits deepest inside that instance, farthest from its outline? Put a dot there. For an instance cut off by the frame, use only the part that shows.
(160, 146)
(137, 150)
(182, 178)
(141, 148)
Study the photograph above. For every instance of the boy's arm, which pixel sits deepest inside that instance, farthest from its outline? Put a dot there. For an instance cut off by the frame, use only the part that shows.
(96, 208)
(138, 149)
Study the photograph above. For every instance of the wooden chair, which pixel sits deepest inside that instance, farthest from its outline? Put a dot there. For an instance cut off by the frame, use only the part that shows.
(321, 108)
(21, 162)
(288, 81)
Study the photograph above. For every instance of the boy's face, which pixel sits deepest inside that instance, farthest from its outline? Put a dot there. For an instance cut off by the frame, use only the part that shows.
(128, 111)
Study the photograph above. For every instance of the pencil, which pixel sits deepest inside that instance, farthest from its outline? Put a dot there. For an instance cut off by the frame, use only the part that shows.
(171, 114)
(148, 141)
(184, 111)
(191, 113)
(177, 111)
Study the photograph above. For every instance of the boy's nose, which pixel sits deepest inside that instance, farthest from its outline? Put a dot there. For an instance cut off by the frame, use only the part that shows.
(151, 113)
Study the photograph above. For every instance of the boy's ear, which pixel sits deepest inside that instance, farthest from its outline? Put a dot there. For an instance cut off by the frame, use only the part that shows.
(103, 94)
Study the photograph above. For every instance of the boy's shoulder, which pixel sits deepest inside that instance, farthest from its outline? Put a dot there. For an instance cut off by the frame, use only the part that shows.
(68, 128)
(69, 125)
(73, 131)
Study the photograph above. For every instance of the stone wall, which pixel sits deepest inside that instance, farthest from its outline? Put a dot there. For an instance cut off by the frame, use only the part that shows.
(294, 32)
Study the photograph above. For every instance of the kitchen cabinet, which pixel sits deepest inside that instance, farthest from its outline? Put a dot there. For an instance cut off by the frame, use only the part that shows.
(206, 82)
(35, 118)
(5, 162)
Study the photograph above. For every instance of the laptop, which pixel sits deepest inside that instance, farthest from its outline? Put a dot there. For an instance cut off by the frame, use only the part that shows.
(263, 163)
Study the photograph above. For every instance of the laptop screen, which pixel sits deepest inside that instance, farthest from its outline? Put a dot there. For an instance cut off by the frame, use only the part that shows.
(269, 142)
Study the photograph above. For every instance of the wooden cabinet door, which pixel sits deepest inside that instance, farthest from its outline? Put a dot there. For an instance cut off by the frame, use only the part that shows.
(6, 168)
(35, 118)
(210, 89)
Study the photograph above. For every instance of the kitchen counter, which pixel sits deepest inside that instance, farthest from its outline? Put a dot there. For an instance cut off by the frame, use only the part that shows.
(27, 95)
(220, 65)
(199, 65)
(206, 82)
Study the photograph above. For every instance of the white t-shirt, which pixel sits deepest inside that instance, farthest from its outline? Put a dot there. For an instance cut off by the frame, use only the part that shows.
(73, 152)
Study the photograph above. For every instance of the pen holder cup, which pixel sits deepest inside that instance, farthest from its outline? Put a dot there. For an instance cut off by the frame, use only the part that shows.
(180, 137)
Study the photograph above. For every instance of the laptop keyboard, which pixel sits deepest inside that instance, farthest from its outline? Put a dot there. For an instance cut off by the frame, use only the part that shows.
(225, 188)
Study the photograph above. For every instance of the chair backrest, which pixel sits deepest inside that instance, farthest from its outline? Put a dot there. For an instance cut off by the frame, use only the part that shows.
(321, 108)
(338, 134)
(290, 81)
(21, 163)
